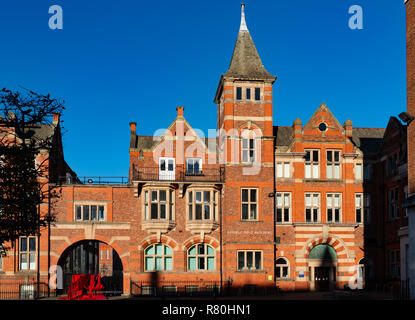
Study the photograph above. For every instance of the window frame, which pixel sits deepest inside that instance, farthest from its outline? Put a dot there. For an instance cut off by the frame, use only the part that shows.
(100, 216)
(393, 202)
(245, 260)
(148, 203)
(28, 253)
(333, 207)
(285, 170)
(331, 165)
(279, 268)
(198, 256)
(312, 163)
(163, 256)
(249, 203)
(248, 150)
(284, 206)
(192, 202)
(312, 207)
(199, 161)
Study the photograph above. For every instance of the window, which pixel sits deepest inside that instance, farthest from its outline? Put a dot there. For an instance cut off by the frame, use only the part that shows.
(393, 164)
(362, 207)
(158, 257)
(334, 204)
(283, 169)
(248, 150)
(248, 93)
(358, 171)
(393, 204)
(322, 127)
(249, 201)
(27, 253)
(238, 93)
(281, 268)
(394, 263)
(89, 212)
(257, 94)
(312, 207)
(201, 257)
(193, 166)
(249, 260)
(283, 204)
(202, 205)
(158, 204)
(333, 164)
(312, 164)
(367, 171)
(405, 190)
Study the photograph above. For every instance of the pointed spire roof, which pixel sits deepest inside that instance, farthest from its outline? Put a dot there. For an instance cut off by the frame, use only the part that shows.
(246, 63)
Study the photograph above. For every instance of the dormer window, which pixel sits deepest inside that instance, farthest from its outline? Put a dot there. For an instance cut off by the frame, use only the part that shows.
(193, 166)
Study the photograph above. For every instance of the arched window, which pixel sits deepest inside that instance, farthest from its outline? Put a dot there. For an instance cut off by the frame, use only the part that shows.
(365, 269)
(201, 257)
(282, 268)
(158, 257)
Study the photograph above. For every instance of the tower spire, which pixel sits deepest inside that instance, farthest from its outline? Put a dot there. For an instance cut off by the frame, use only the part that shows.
(243, 26)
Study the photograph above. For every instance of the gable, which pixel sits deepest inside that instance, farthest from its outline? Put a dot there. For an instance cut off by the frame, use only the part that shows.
(323, 125)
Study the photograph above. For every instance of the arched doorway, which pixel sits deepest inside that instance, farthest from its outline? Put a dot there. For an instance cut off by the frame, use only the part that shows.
(92, 257)
(322, 261)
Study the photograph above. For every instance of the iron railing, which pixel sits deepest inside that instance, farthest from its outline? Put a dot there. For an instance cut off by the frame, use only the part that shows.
(179, 174)
(22, 290)
(94, 180)
(175, 288)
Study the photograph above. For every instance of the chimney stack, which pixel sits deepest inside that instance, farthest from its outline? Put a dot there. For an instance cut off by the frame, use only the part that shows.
(180, 110)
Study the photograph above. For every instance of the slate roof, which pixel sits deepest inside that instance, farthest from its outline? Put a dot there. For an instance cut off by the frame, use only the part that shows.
(368, 140)
(246, 63)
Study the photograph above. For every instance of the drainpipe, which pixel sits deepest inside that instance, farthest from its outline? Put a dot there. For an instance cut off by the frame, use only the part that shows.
(273, 219)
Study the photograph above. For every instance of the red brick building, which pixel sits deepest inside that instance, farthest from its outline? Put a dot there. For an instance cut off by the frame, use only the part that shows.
(313, 206)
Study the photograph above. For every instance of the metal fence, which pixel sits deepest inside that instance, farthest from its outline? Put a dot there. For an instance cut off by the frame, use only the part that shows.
(179, 174)
(175, 288)
(17, 290)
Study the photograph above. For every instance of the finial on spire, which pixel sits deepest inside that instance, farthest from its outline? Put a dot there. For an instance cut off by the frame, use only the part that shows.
(243, 22)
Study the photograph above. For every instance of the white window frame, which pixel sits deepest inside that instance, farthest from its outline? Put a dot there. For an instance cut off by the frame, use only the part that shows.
(194, 160)
(358, 171)
(250, 203)
(314, 206)
(332, 204)
(30, 264)
(283, 203)
(333, 167)
(283, 170)
(312, 167)
(279, 268)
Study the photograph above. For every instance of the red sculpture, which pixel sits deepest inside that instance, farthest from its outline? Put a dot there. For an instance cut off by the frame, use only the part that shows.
(85, 287)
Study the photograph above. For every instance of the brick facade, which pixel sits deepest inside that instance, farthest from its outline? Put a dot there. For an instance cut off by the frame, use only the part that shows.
(257, 204)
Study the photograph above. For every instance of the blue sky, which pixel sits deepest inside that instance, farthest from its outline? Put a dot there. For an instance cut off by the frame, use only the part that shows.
(116, 62)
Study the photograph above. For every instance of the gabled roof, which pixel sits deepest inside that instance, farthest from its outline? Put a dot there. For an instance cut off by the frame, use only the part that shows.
(246, 63)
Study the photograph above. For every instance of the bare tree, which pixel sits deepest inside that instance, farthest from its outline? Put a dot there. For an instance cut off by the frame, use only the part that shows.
(28, 153)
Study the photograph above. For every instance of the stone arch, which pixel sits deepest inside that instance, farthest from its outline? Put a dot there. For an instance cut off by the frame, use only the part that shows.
(198, 239)
(335, 242)
(251, 126)
(155, 239)
(73, 240)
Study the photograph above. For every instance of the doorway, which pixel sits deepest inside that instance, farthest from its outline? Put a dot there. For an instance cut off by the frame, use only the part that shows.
(322, 278)
(323, 268)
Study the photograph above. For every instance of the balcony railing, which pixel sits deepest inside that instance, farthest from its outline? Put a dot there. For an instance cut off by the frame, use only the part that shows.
(179, 174)
(91, 180)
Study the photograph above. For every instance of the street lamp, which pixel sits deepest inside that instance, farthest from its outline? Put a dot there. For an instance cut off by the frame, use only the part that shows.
(406, 117)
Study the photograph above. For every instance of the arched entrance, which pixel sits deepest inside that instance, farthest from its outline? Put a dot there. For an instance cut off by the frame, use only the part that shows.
(322, 261)
(93, 257)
